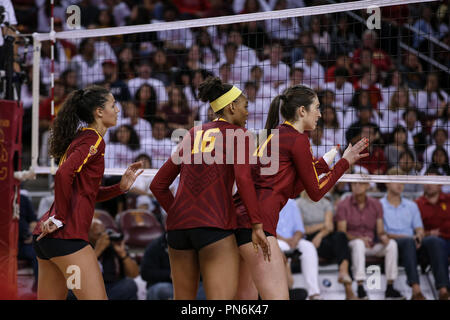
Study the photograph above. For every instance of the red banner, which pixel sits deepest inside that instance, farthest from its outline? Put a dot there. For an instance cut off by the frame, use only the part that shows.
(11, 114)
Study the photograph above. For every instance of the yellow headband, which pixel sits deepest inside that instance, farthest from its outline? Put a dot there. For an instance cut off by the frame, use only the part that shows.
(225, 99)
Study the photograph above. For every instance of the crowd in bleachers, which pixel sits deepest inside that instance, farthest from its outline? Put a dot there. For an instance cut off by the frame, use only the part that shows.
(367, 84)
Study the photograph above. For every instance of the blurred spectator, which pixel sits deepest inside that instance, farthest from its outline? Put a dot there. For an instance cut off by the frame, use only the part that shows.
(105, 19)
(146, 101)
(275, 71)
(342, 88)
(27, 223)
(319, 145)
(320, 36)
(69, 79)
(408, 164)
(412, 70)
(440, 162)
(123, 147)
(177, 40)
(254, 34)
(44, 13)
(145, 76)
(392, 115)
(245, 55)
(89, 12)
(143, 43)
(361, 114)
(424, 25)
(118, 268)
(411, 122)
(117, 87)
(440, 139)
(295, 78)
(239, 71)
(360, 217)
(433, 100)
(209, 54)
(126, 64)
(376, 162)
(369, 82)
(176, 111)
(257, 108)
(314, 74)
(343, 40)
(161, 67)
(191, 92)
(285, 30)
(141, 187)
(342, 61)
(332, 130)
(155, 270)
(290, 231)
(121, 12)
(379, 57)
(88, 66)
(264, 90)
(133, 118)
(443, 121)
(158, 147)
(319, 229)
(399, 145)
(403, 223)
(434, 206)
(365, 62)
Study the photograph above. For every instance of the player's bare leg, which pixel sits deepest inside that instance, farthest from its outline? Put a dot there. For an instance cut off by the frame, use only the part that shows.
(91, 285)
(51, 282)
(270, 277)
(219, 266)
(185, 272)
(246, 287)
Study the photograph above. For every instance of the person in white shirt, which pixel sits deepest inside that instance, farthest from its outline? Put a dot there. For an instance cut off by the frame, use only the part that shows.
(432, 98)
(257, 108)
(286, 29)
(342, 89)
(410, 121)
(89, 67)
(141, 126)
(124, 146)
(191, 92)
(332, 130)
(314, 73)
(319, 146)
(158, 147)
(392, 115)
(295, 78)
(264, 89)
(144, 76)
(177, 39)
(245, 55)
(275, 71)
(239, 72)
(440, 138)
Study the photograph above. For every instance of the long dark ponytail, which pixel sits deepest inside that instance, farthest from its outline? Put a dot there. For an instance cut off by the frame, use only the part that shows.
(78, 107)
(287, 104)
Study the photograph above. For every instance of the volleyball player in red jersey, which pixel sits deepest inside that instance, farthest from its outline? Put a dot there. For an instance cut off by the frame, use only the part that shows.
(298, 170)
(60, 238)
(201, 217)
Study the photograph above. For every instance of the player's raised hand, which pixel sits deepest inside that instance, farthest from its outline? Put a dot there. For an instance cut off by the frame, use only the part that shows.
(130, 175)
(353, 153)
(259, 239)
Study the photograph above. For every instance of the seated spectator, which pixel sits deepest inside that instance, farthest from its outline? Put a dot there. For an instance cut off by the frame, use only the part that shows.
(412, 70)
(434, 206)
(290, 231)
(425, 25)
(275, 71)
(416, 137)
(314, 74)
(342, 61)
(285, 30)
(440, 162)
(176, 111)
(146, 101)
(161, 67)
(379, 57)
(432, 100)
(369, 82)
(319, 229)
(360, 217)
(408, 164)
(403, 223)
(158, 147)
(257, 108)
(69, 79)
(392, 115)
(123, 147)
(264, 89)
(118, 268)
(443, 121)
(254, 34)
(245, 55)
(365, 63)
(126, 65)
(177, 40)
(376, 162)
(145, 76)
(155, 270)
(342, 89)
(295, 78)
(362, 114)
(27, 223)
(191, 91)
(394, 81)
(320, 36)
(399, 145)
(440, 139)
(117, 87)
(88, 66)
(343, 40)
(133, 118)
(332, 130)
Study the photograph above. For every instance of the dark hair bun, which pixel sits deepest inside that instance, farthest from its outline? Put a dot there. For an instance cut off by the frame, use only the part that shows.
(212, 88)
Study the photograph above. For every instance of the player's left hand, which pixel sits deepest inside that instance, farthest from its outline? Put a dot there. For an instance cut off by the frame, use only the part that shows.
(130, 175)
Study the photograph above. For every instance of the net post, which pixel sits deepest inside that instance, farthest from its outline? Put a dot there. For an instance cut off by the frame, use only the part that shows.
(35, 107)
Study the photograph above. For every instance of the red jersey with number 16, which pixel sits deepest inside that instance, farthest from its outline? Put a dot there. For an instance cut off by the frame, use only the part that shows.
(204, 195)
(298, 170)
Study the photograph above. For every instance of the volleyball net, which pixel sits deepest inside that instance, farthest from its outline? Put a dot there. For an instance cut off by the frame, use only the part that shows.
(380, 69)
